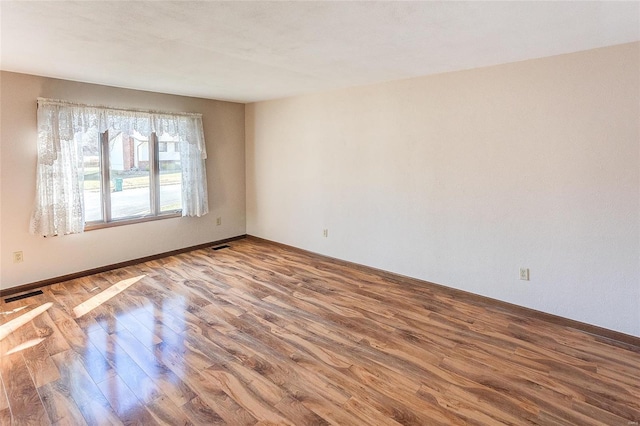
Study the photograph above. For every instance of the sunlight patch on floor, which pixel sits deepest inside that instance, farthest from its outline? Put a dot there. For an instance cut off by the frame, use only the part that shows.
(105, 295)
(26, 345)
(18, 309)
(14, 324)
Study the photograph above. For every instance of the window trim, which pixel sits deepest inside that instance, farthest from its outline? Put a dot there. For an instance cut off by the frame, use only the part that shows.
(92, 226)
(154, 188)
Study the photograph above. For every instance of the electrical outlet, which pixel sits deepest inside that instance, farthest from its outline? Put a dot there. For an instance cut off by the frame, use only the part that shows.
(18, 257)
(524, 274)
(219, 221)
(325, 233)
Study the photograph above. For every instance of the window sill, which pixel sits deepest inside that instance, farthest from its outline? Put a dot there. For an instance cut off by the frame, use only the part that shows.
(92, 226)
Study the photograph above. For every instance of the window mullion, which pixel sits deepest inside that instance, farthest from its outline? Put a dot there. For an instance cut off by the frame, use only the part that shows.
(154, 165)
(105, 176)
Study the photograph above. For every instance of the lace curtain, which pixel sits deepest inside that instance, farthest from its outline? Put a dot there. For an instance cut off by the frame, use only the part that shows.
(59, 206)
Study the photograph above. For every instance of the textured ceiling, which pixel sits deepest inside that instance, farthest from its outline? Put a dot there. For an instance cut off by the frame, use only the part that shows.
(250, 51)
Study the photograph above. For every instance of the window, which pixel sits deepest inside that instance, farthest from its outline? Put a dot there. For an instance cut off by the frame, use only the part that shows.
(131, 179)
(100, 166)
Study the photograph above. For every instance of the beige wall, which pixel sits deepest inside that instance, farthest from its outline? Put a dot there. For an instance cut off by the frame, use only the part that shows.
(52, 257)
(462, 178)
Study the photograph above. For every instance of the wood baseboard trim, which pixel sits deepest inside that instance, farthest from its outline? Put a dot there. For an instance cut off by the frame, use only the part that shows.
(611, 336)
(51, 281)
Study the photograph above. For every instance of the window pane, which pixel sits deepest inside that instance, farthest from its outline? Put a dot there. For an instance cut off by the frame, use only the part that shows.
(129, 175)
(90, 145)
(170, 175)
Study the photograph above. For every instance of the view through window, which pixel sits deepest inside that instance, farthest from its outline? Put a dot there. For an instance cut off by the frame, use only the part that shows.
(130, 176)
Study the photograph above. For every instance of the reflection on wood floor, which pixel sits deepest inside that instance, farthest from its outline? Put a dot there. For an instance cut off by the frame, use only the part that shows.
(261, 334)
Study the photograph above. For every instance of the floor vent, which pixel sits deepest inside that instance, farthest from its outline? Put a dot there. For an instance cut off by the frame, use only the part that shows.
(221, 247)
(22, 296)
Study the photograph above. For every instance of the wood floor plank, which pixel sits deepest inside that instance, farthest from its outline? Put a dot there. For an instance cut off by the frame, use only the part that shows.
(139, 383)
(126, 405)
(60, 405)
(92, 359)
(200, 413)
(4, 402)
(260, 334)
(24, 401)
(213, 403)
(31, 345)
(145, 336)
(297, 412)
(42, 368)
(45, 327)
(92, 404)
(251, 402)
(165, 412)
(5, 416)
(166, 380)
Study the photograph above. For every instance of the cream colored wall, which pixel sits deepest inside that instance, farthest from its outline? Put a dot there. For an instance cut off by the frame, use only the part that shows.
(463, 178)
(52, 257)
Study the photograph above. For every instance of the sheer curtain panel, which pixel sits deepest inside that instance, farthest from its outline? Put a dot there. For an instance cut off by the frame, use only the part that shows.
(62, 126)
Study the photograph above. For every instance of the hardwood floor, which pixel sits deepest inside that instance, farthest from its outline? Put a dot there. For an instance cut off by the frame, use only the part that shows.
(259, 334)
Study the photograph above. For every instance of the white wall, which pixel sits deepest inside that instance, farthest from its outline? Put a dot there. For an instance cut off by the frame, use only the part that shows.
(462, 178)
(53, 257)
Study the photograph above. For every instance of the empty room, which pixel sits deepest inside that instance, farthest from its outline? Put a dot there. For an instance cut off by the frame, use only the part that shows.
(314, 213)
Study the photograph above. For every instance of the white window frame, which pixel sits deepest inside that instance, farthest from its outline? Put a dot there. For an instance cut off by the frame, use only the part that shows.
(105, 188)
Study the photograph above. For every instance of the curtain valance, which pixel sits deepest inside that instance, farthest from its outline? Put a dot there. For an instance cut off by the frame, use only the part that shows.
(61, 120)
